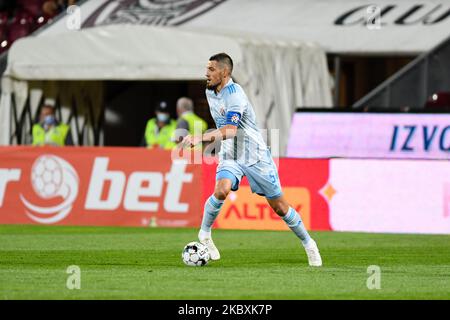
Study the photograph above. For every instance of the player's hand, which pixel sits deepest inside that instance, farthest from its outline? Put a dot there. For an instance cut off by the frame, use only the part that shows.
(190, 141)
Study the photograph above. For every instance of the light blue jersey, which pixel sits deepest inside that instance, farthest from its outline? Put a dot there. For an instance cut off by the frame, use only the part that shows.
(247, 154)
(231, 106)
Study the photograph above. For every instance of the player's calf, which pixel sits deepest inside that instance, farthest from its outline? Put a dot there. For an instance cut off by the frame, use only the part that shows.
(211, 210)
(294, 222)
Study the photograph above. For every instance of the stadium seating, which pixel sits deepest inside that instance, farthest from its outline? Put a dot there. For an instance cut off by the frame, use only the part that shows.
(3, 18)
(22, 17)
(41, 20)
(21, 25)
(33, 7)
(3, 31)
(439, 101)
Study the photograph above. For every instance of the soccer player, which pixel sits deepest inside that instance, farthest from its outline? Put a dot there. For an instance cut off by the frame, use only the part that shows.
(243, 152)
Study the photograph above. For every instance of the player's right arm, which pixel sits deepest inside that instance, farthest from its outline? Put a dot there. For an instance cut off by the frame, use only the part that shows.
(226, 132)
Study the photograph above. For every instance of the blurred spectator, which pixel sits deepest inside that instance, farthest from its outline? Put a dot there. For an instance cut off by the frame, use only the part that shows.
(19, 18)
(48, 131)
(188, 120)
(64, 4)
(50, 9)
(160, 130)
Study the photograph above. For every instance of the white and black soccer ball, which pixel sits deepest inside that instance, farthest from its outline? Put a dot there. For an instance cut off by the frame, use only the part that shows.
(195, 254)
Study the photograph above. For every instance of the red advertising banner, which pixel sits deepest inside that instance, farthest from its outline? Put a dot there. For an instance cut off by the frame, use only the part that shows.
(98, 186)
(141, 187)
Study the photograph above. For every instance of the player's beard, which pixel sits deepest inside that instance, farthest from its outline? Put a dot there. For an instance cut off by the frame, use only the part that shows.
(212, 86)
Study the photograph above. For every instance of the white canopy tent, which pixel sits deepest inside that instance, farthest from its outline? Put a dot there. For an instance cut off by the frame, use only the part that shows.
(277, 76)
(400, 27)
(116, 53)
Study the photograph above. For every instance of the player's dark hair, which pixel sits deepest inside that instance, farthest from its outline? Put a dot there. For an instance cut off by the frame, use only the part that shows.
(224, 59)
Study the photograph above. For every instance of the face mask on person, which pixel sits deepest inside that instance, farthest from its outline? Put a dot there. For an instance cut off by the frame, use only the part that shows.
(49, 120)
(163, 117)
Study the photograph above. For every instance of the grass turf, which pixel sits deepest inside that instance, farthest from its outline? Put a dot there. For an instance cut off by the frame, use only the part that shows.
(140, 263)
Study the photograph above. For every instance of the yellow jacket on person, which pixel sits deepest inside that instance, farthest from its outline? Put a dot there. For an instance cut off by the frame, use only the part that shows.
(56, 135)
(160, 137)
(193, 120)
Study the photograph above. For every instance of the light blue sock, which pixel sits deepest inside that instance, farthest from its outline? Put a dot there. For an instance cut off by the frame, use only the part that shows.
(212, 208)
(292, 219)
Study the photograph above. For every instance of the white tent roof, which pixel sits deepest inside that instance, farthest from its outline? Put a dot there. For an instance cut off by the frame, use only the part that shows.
(338, 26)
(117, 52)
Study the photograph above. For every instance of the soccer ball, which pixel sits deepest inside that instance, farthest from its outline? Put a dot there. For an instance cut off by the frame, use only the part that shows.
(195, 254)
(46, 177)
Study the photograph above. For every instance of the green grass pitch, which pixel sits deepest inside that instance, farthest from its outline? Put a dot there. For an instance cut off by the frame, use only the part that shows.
(145, 263)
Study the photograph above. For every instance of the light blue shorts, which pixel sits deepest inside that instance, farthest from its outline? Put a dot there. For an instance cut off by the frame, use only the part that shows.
(262, 176)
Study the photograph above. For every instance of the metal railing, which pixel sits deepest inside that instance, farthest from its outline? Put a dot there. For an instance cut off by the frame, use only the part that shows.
(411, 87)
(86, 125)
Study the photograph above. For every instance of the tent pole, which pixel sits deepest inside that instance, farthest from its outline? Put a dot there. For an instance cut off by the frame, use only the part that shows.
(337, 77)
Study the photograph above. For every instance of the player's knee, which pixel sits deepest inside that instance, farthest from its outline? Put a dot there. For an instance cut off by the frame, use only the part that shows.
(221, 192)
